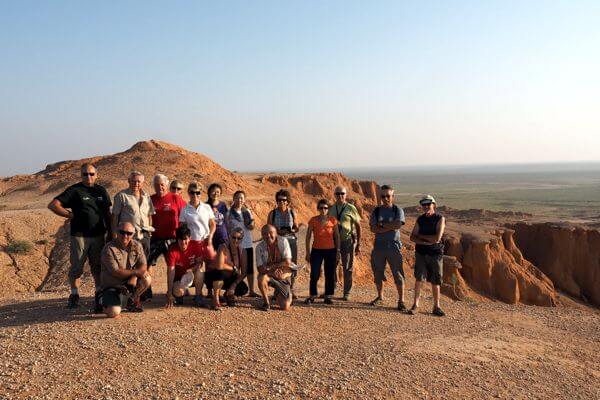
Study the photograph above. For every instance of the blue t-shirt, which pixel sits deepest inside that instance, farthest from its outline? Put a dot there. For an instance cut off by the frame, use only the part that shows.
(388, 239)
(220, 236)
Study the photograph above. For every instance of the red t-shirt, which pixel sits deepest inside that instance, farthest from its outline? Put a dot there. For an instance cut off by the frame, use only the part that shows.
(323, 234)
(183, 261)
(166, 219)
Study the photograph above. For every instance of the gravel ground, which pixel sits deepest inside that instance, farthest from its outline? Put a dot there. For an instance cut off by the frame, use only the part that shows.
(344, 351)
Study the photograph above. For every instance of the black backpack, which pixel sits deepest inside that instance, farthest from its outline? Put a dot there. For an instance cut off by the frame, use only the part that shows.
(394, 207)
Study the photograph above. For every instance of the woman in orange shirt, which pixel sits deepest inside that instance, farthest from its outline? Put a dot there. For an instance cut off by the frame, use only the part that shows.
(325, 247)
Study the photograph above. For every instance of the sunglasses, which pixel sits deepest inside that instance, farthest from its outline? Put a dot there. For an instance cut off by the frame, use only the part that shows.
(198, 193)
(282, 199)
(425, 204)
(340, 194)
(88, 173)
(178, 189)
(323, 208)
(126, 233)
(386, 196)
(236, 238)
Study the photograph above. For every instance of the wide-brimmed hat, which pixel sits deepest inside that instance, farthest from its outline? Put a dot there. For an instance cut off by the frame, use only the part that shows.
(427, 199)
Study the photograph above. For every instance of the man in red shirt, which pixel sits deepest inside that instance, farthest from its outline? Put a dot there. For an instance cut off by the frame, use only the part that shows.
(185, 267)
(166, 220)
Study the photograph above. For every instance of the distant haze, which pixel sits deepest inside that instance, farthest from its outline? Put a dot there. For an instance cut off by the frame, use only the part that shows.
(302, 85)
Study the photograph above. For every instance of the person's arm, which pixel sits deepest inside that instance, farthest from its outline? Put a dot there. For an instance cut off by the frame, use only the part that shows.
(307, 243)
(212, 227)
(415, 237)
(170, 284)
(116, 211)
(243, 268)
(250, 226)
(57, 208)
(358, 235)
(336, 241)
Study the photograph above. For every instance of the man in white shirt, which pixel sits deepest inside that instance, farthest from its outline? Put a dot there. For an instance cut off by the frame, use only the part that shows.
(274, 263)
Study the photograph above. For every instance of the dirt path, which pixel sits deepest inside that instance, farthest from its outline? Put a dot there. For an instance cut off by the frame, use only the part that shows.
(349, 350)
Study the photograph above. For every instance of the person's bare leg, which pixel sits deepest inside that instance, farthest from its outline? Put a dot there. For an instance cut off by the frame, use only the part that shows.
(436, 295)
(141, 286)
(199, 281)
(178, 291)
(251, 284)
(216, 292)
(113, 312)
(75, 283)
(418, 285)
(263, 286)
(284, 303)
(379, 286)
(400, 289)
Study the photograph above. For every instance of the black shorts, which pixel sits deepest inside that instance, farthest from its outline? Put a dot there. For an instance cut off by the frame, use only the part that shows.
(429, 267)
(112, 297)
(216, 275)
(158, 247)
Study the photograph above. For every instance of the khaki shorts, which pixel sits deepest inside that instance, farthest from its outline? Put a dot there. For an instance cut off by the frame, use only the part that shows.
(82, 249)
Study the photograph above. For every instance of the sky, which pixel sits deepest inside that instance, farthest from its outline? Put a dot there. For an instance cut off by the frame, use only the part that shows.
(284, 85)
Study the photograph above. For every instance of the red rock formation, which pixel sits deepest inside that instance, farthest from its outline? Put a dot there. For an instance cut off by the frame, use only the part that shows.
(570, 256)
(494, 266)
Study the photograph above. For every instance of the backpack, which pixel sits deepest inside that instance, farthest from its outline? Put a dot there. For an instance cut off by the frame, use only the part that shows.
(394, 207)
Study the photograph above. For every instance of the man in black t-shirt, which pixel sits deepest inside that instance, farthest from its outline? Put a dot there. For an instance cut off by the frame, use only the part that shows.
(87, 206)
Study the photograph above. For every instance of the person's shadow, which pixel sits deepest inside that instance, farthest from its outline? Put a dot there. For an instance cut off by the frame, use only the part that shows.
(45, 311)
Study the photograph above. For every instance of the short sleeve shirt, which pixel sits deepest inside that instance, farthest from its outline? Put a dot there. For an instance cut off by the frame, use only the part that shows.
(114, 258)
(388, 239)
(262, 252)
(166, 219)
(220, 237)
(236, 219)
(183, 260)
(128, 209)
(197, 218)
(90, 206)
(347, 215)
(323, 233)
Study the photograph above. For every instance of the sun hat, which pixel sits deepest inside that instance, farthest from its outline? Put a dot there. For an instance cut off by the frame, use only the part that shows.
(427, 199)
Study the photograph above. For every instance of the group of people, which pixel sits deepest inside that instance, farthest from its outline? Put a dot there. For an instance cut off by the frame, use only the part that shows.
(205, 243)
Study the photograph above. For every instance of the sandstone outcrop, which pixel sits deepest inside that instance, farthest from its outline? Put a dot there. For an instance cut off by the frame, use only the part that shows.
(569, 255)
(493, 265)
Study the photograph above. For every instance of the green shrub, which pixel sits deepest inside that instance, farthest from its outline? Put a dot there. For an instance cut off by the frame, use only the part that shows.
(19, 247)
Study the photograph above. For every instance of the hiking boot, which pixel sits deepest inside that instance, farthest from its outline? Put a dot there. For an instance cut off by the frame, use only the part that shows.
(134, 305)
(402, 306)
(328, 300)
(178, 300)
(199, 301)
(377, 302)
(413, 310)
(73, 301)
(438, 312)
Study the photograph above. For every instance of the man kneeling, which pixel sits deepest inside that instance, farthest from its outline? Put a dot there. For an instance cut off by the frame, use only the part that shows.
(274, 263)
(123, 270)
(185, 267)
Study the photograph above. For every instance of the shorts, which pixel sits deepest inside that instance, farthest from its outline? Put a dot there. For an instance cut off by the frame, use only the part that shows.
(158, 247)
(207, 252)
(429, 267)
(216, 275)
(392, 256)
(282, 287)
(186, 280)
(112, 297)
(82, 249)
(249, 261)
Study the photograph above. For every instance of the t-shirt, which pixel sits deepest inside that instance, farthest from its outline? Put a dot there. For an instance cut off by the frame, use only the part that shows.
(183, 260)
(347, 215)
(129, 209)
(90, 206)
(236, 219)
(428, 226)
(220, 236)
(197, 220)
(323, 233)
(262, 252)
(388, 239)
(166, 219)
(114, 258)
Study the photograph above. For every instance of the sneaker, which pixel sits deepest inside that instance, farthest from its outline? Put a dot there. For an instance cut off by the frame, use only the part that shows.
(73, 301)
(309, 300)
(230, 301)
(402, 306)
(265, 306)
(377, 302)
(179, 300)
(328, 300)
(98, 309)
(199, 301)
(147, 295)
(134, 305)
(413, 310)
(253, 294)
(438, 312)
(346, 297)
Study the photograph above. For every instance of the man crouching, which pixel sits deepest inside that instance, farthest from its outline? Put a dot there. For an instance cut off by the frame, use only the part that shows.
(274, 263)
(123, 270)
